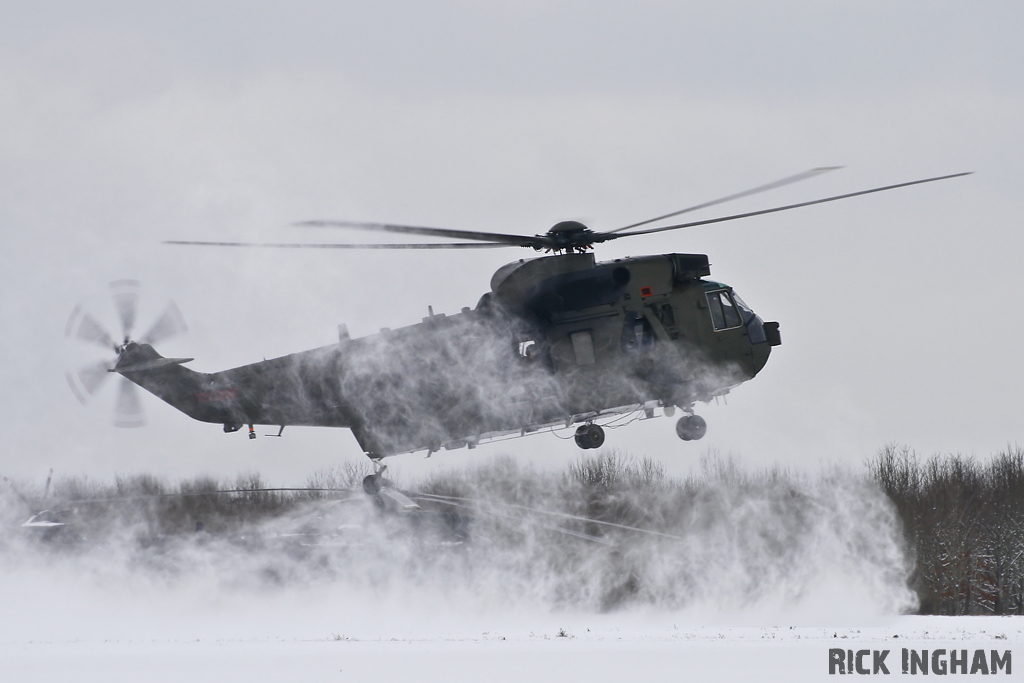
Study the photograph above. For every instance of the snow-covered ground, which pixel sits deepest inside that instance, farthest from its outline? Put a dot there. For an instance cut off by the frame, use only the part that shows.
(83, 626)
(497, 647)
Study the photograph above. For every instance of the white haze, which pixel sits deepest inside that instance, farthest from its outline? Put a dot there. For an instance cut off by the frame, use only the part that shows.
(751, 548)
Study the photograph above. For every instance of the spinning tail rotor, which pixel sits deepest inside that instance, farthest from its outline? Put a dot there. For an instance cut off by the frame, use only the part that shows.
(86, 381)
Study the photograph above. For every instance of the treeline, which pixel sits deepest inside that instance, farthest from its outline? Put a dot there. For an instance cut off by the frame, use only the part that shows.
(964, 523)
(153, 508)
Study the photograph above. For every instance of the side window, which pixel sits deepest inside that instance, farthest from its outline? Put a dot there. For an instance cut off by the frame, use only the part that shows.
(528, 349)
(724, 314)
(583, 347)
(732, 315)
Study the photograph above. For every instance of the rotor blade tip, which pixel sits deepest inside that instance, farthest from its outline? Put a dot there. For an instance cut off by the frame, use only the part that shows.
(128, 409)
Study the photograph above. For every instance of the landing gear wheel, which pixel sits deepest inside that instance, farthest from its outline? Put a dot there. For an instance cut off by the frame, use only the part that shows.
(590, 436)
(371, 484)
(691, 428)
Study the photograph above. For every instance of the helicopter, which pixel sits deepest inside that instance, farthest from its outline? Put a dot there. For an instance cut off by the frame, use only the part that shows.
(559, 340)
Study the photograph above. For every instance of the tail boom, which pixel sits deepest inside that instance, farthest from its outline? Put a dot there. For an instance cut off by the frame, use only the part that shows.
(292, 390)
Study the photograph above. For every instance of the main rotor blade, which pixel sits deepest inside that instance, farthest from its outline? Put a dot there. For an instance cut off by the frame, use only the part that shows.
(170, 324)
(128, 412)
(275, 245)
(516, 240)
(126, 297)
(776, 209)
(90, 330)
(746, 193)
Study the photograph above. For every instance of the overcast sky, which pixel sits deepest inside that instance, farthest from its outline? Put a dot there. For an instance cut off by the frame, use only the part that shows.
(124, 124)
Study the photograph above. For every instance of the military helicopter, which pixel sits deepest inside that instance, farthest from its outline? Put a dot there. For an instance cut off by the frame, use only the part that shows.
(561, 340)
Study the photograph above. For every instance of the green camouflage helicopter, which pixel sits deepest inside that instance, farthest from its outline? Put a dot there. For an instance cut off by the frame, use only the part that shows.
(558, 341)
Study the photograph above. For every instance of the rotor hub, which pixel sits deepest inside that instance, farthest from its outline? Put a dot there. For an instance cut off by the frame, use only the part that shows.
(570, 236)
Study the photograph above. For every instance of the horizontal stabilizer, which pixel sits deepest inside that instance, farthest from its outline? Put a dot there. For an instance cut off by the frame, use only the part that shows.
(149, 364)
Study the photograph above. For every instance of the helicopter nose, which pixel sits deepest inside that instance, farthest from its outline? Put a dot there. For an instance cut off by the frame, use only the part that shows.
(759, 357)
(761, 350)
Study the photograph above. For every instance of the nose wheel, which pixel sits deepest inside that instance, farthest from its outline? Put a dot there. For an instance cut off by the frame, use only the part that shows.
(590, 436)
(691, 428)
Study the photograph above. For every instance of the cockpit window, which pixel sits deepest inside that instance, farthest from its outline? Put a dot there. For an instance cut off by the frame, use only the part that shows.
(724, 314)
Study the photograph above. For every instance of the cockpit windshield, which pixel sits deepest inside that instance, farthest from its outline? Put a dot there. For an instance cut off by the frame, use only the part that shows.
(755, 326)
(745, 311)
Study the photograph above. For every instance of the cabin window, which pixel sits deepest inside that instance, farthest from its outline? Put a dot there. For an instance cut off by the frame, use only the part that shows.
(531, 351)
(724, 314)
(583, 347)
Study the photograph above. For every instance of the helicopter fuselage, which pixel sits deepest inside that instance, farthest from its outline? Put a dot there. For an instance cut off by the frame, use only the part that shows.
(559, 340)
